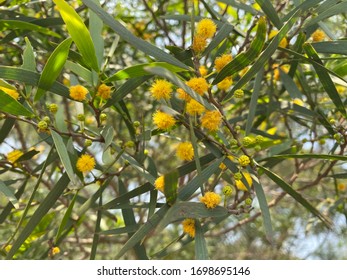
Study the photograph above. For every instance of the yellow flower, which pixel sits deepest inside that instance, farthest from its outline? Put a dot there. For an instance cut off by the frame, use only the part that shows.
(8, 248)
(11, 92)
(78, 92)
(55, 250)
(244, 160)
(104, 91)
(225, 84)
(161, 89)
(298, 102)
(241, 186)
(210, 199)
(189, 227)
(199, 85)
(223, 166)
(85, 163)
(159, 184)
(199, 44)
(318, 36)
(14, 155)
(185, 151)
(203, 70)
(284, 41)
(183, 95)
(206, 28)
(163, 121)
(211, 120)
(341, 187)
(194, 108)
(221, 61)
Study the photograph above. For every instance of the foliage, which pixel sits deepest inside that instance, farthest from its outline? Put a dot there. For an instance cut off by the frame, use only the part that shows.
(126, 119)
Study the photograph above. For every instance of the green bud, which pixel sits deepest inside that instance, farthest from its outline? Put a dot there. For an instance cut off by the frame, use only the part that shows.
(247, 141)
(130, 144)
(103, 117)
(145, 152)
(239, 93)
(237, 128)
(88, 143)
(238, 176)
(227, 190)
(248, 201)
(233, 142)
(136, 124)
(304, 140)
(332, 121)
(42, 125)
(337, 137)
(259, 139)
(47, 120)
(322, 141)
(53, 108)
(257, 148)
(81, 117)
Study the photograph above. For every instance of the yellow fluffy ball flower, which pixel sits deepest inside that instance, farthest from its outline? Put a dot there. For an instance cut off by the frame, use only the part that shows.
(161, 89)
(163, 121)
(199, 44)
(183, 95)
(185, 151)
(341, 187)
(211, 120)
(85, 163)
(241, 186)
(159, 183)
(11, 92)
(55, 251)
(318, 36)
(284, 41)
(211, 199)
(104, 91)
(194, 108)
(221, 61)
(206, 28)
(189, 227)
(244, 160)
(203, 70)
(14, 156)
(199, 85)
(225, 84)
(78, 92)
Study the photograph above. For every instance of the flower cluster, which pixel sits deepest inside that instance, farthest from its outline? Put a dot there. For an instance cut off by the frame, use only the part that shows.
(85, 163)
(205, 30)
(189, 227)
(159, 184)
(163, 120)
(211, 120)
(78, 92)
(211, 199)
(185, 151)
(161, 89)
(104, 91)
(240, 185)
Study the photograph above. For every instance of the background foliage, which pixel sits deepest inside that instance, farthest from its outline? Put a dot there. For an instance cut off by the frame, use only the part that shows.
(295, 96)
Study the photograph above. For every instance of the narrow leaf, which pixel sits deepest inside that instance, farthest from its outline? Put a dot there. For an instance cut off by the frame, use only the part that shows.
(79, 33)
(331, 11)
(63, 155)
(127, 36)
(297, 196)
(23, 25)
(53, 67)
(325, 79)
(170, 186)
(12, 106)
(270, 11)
(331, 47)
(9, 193)
(222, 34)
(201, 252)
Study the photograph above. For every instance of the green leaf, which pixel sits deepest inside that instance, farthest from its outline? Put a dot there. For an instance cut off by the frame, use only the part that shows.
(6, 128)
(265, 212)
(66, 217)
(201, 252)
(187, 191)
(178, 82)
(244, 59)
(187, 209)
(53, 67)
(39, 214)
(29, 61)
(121, 230)
(9, 193)
(310, 156)
(241, 6)
(127, 36)
(30, 78)
(271, 13)
(297, 196)
(139, 70)
(304, 6)
(264, 57)
(108, 134)
(331, 47)
(23, 25)
(95, 27)
(290, 85)
(12, 106)
(170, 186)
(331, 11)
(254, 101)
(80, 71)
(63, 155)
(325, 79)
(79, 33)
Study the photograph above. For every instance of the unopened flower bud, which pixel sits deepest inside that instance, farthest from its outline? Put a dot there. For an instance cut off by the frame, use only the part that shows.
(239, 93)
(88, 143)
(81, 117)
(227, 190)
